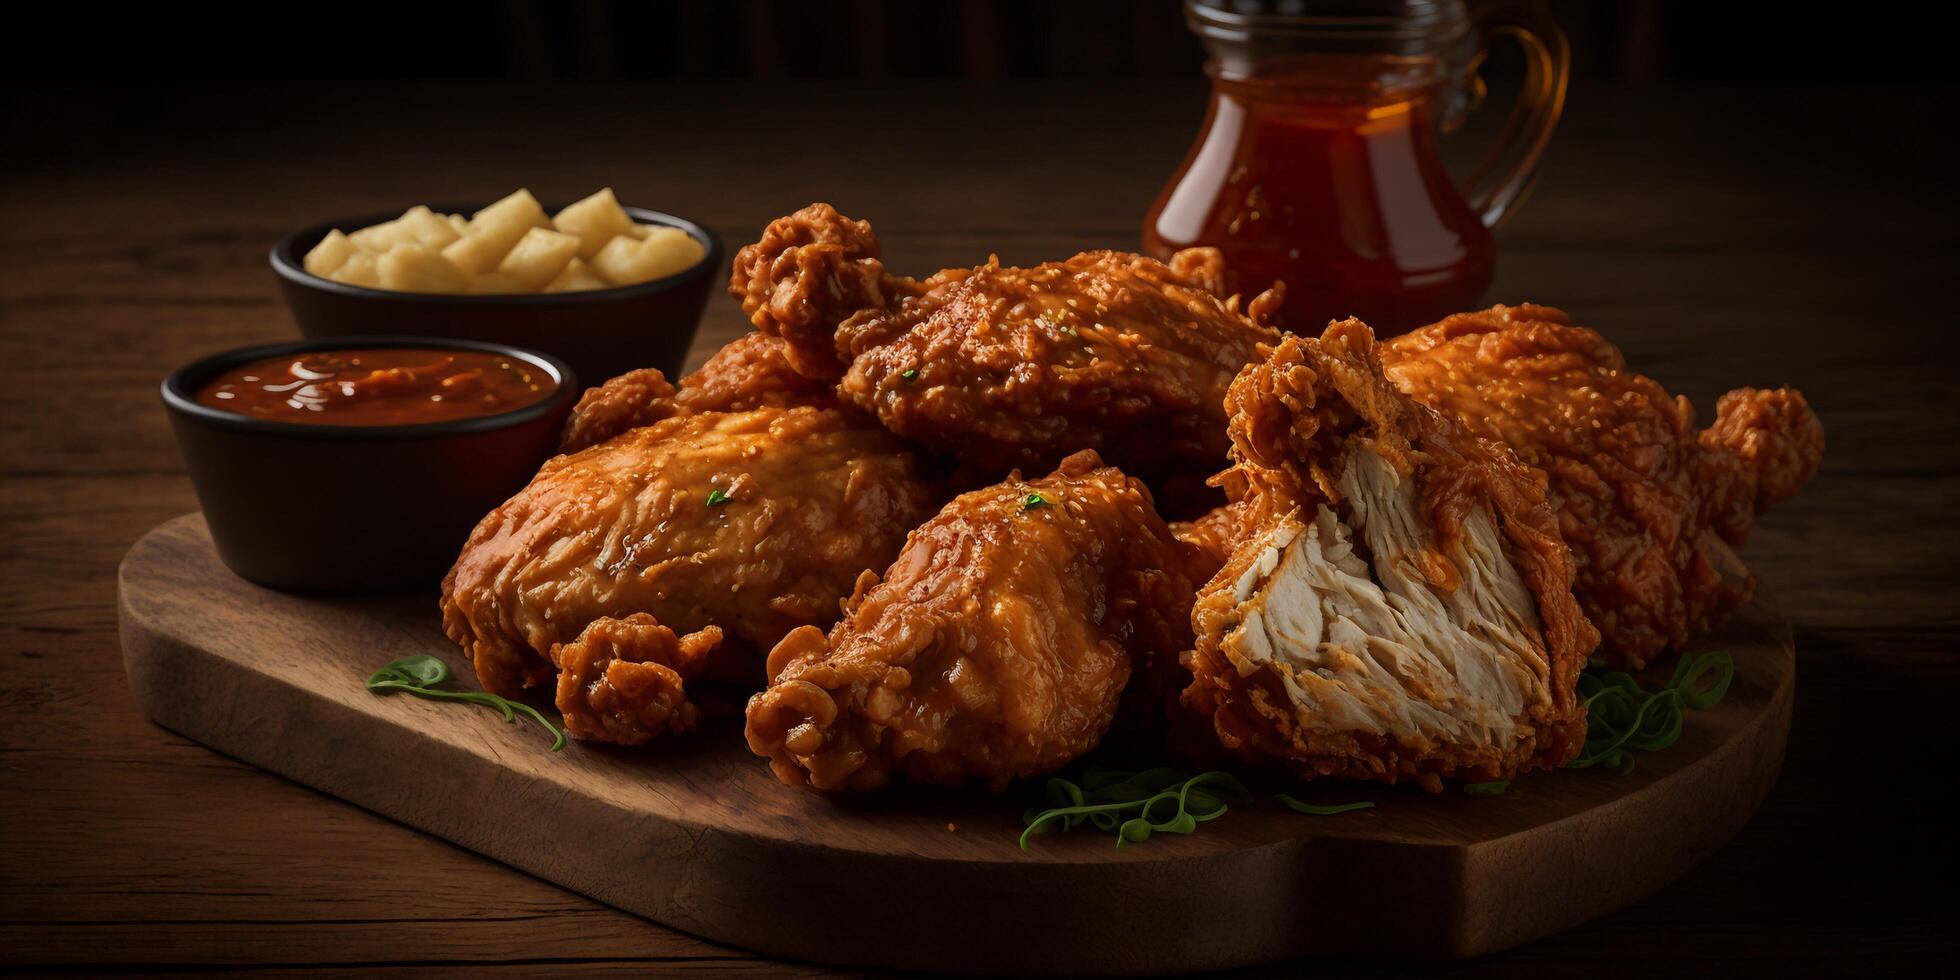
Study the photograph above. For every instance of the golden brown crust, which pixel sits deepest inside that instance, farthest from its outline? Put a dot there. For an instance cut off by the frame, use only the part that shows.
(806, 274)
(1010, 367)
(1295, 417)
(636, 398)
(997, 646)
(1647, 505)
(809, 498)
(623, 680)
(1769, 443)
(751, 372)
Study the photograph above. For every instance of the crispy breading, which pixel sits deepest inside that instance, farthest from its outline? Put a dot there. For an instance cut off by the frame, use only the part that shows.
(752, 523)
(1011, 367)
(997, 646)
(1398, 605)
(1651, 509)
(749, 373)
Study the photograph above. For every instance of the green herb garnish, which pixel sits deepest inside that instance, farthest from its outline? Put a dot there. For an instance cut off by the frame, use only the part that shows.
(1033, 500)
(419, 675)
(1622, 717)
(1134, 805)
(909, 374)
(1493, 788)
(717, 497)
(1316, 810)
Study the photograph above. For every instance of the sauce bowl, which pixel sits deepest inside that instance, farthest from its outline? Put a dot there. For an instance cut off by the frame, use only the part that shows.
(350, 509)
(600, 332)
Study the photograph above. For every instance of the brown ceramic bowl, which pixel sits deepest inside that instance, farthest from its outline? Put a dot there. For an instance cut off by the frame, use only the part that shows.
(600, 333)
(348, 510)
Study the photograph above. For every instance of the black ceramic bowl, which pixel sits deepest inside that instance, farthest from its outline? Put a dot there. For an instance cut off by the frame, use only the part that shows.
(354, 509)
(600, 333)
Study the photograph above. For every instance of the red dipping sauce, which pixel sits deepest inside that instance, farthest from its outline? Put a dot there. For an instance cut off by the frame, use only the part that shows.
(388, 386)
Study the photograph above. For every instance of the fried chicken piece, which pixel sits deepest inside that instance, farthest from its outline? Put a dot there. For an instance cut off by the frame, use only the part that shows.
(1400, 608)
(1017, 367)
(624, 680)
(749, 373)
(747, 524)
(1010, 367)
(624, 403)
(807, 273)
(997, 646)
(1650, 508)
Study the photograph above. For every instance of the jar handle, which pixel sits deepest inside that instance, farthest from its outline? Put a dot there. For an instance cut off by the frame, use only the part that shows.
(1495, 187)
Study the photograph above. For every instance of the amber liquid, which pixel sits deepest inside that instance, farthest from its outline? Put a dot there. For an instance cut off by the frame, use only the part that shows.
(1343, 198)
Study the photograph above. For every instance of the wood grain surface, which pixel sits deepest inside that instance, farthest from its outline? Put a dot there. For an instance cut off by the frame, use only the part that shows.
(1722, 235)
(698, 834)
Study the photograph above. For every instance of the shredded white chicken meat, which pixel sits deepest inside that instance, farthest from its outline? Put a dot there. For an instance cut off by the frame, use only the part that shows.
(1363, 641)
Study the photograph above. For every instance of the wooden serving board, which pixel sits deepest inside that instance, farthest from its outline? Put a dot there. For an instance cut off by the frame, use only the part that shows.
(696, 833)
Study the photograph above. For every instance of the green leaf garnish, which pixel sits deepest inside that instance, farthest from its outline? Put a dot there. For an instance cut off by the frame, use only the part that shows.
(1315, 810)
(1493, 788)
(419, 675)
(718, 497)
(909, 374)
(1033, 500)
(1622, 716)
(1132, 806)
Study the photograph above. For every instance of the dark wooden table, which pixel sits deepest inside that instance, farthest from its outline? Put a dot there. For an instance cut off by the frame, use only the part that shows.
(1722, 235)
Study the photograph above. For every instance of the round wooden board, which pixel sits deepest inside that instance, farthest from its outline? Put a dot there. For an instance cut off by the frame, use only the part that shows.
(697, 834)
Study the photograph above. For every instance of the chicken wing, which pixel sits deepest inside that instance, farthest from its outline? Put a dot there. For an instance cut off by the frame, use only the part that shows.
(1650, 508)
(675, 551)
(1011, 367)
(997, 646)
(1399, 607)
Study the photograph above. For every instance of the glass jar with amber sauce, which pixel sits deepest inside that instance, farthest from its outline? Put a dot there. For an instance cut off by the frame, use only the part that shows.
(1318, 163)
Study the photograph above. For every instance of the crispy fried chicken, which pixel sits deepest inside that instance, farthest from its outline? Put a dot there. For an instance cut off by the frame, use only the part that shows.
(677, 551)
(749, 373)
(1398, 606)
(997, 646)
(1650, 508)
(1011, 367)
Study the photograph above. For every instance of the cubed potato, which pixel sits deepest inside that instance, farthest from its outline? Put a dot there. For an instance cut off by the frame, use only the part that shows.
(412, 268)
(332, 252)
(665, 251)
(576, 277)
(377, 239)
(617, 260)
(425, 228)
(360, 269)
(670, 250)
(595, 220)
(477, 254)
(538, 257)
(509, 247)
(497, 283)
(493, 230)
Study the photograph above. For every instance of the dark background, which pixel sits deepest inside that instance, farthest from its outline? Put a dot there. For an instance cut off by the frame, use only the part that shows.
(1634, 40)
(82, 83)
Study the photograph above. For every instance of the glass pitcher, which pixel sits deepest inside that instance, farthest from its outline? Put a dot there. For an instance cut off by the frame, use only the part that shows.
(1318, 162)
